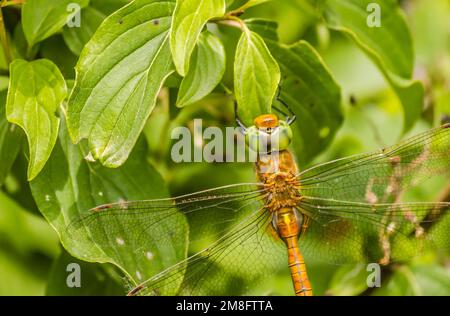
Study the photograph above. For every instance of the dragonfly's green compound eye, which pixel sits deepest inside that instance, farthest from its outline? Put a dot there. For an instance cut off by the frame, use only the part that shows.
(271, 139)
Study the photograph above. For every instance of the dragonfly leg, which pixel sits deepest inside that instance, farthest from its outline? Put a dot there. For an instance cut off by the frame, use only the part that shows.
(241, 125)
(289, 119)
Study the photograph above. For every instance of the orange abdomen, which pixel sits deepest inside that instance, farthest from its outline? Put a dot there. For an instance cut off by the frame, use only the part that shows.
(288, 224)
(297, 266)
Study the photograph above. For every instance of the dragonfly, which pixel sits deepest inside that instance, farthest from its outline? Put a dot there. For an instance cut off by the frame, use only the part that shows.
(347, 210)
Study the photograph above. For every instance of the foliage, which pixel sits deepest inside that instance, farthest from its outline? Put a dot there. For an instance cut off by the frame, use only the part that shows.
(101, 133)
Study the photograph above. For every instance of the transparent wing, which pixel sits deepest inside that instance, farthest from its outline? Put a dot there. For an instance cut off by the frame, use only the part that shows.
(342, 232)
(354, 202)
(246, 252)
(381, 177)
(231, 221)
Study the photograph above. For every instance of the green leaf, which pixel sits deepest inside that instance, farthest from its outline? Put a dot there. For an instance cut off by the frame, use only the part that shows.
(313, 95)
(70, 185)
(189, 18)
(417, 280)
(348, 280)
(77, 37)
(56, 50)
(309, 90)
(108, 6)
(43, 18)
(389, 46)
(430, 17)
(18, 278)
(244, 4)
(411, 95)
(25, 238)
(19, 45)
(267, 29)
(206, 71)
(256, 77)
(94, 280)
(433, 279)
(3, 64)
(35, 233)
(36, 91)
(10, 140)
(119, 74)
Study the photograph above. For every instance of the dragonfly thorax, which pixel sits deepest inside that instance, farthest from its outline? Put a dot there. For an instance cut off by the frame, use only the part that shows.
(278, 173)
(282, 191)
(275, 163)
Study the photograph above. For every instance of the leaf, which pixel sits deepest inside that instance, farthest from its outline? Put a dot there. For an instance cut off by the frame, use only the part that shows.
(244, 4)
(94, 280)
(313, 95)
(56, 50)
(20, 47)
(430, 16)
(36, 236)
(37, 89)
(16, 184)
(256, 77)
(119, 74)
(417, 280)
(108, 6)
(77, 37)
(70, 185)
(3, 64)
(206, 71)
(18, 278)
(389, 46)
(433, 279)
(267, 29)
(189, 18)
(348, 280)
(43, 18)
(310, 92)
(25, 238)
(10, 140)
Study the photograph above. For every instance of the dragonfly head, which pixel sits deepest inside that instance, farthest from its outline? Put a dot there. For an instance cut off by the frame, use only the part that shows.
(266, 121)
(268, 134)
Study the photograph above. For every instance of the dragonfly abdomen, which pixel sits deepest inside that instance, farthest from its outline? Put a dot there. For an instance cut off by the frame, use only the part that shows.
(297, 266)
(288, 223)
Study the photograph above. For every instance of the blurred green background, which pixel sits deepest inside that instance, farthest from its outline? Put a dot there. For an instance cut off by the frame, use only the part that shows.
(32, 261)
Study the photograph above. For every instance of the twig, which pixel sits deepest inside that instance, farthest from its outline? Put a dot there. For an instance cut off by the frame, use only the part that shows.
(4, 37)
(435, 215)
(426, 224)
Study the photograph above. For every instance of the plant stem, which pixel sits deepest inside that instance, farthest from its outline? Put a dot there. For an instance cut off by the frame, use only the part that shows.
(4, 38)
(12, 2)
